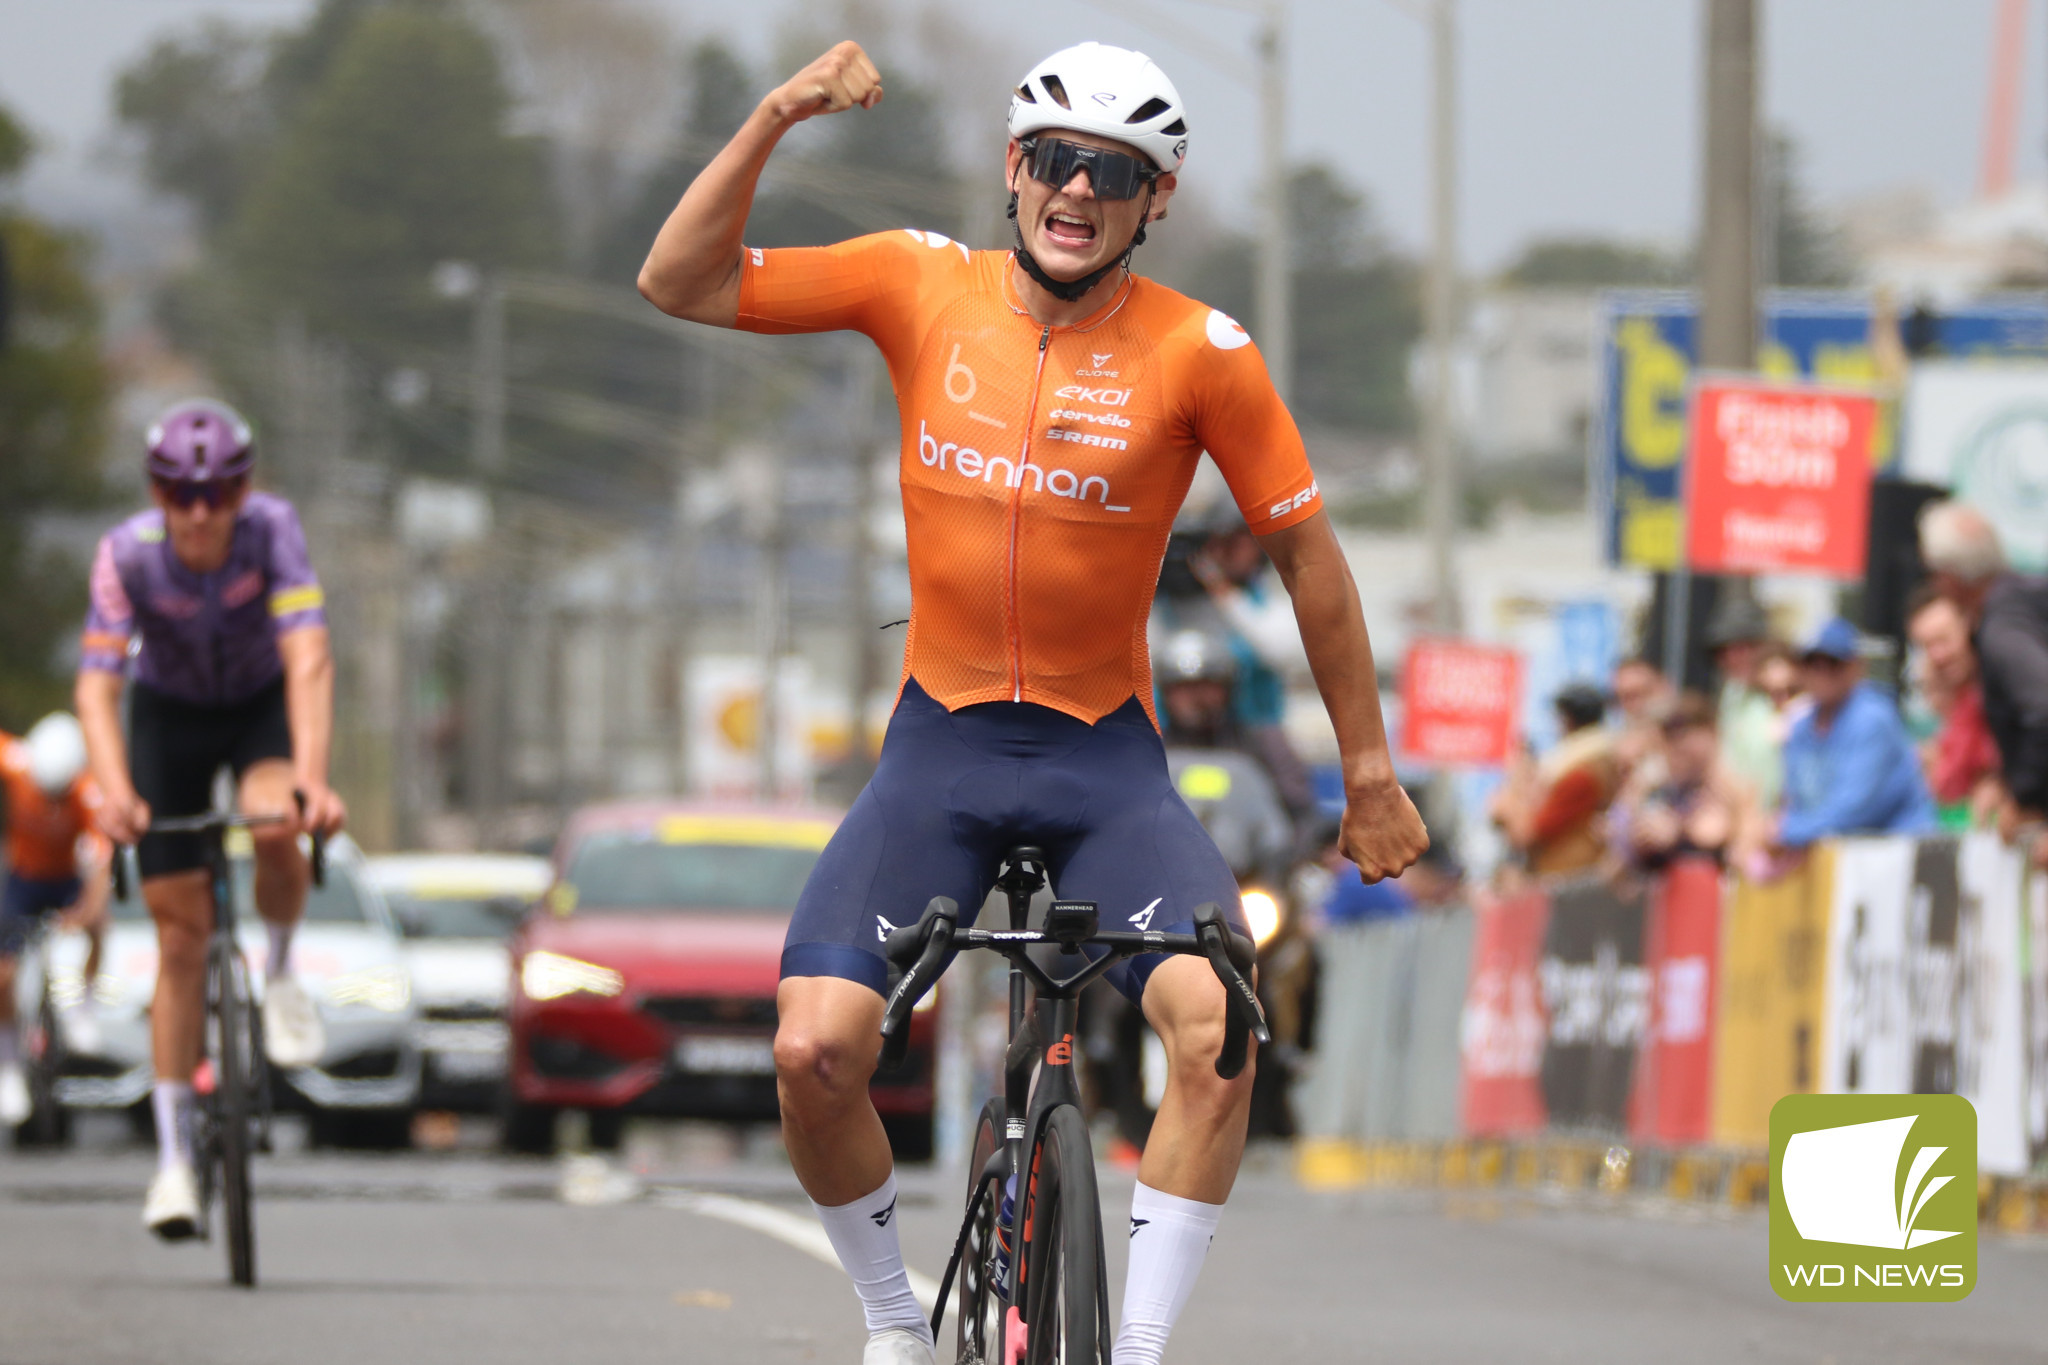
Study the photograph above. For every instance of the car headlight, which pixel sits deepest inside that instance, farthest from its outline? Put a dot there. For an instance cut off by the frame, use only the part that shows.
(385, 988)
(1261, 915)
(550, 976)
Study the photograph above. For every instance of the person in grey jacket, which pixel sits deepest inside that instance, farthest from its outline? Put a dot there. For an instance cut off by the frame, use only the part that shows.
(2008, 615)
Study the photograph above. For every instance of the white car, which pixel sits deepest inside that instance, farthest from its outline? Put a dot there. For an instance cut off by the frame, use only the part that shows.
(456, 911)
(352, 961)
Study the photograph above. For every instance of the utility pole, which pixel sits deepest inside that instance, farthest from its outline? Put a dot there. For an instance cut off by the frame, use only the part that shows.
(1276, 290)
(1439, 440)
(487, 414)
(1728, 245)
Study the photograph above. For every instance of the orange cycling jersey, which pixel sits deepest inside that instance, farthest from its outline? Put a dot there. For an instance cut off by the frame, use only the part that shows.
(1041, 466)
(44, 837)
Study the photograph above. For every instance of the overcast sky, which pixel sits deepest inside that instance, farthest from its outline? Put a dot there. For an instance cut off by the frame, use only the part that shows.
(1578, 116)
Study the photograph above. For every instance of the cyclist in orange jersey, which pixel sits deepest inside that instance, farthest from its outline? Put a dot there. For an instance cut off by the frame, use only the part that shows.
(56, 863)
(1054, 407)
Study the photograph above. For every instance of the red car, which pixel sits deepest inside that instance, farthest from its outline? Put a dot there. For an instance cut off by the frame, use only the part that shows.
(644, 981)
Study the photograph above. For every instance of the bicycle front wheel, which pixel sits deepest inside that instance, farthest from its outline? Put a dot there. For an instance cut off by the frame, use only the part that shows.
(981, 1303)
(1066, 1308)
(237, 1067)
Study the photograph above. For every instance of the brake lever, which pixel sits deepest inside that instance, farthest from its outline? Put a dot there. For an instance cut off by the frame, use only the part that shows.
(318, 840)
(936, 927)
(1243, 1020)
(117, 871)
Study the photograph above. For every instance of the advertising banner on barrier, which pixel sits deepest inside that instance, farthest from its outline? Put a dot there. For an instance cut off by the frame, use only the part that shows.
(1924, 990)
(1458, 702)
(1500, 1035)
(1673, 1099)
(1596, 994)
(2034, 903)
(1778, 479)
(1767, 1023)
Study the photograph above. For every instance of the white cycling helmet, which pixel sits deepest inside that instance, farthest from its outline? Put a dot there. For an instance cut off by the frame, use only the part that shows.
(1108, 91)
(56, 753)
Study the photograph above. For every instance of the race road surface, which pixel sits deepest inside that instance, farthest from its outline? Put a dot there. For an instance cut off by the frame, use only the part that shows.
(471, 1258)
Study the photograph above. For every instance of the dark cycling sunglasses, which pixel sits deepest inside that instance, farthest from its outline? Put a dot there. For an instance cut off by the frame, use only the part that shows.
(215, 493)
(1115, 175)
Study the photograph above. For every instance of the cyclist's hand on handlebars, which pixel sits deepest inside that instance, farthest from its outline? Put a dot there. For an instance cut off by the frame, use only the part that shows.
(836, 81)
(324, 811)
(123, 816)
(1382, 830)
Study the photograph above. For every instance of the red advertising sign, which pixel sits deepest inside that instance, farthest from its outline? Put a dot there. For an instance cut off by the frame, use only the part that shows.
(1673, 1099)
(1504, 1027)
(1778, 478)
(1459, 702)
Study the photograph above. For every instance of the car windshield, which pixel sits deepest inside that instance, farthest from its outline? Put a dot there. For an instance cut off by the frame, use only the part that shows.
(338, 902)
(481, 916)
(641, 872)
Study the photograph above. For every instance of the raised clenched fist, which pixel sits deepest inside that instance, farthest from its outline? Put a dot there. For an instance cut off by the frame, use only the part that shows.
(1382, 831)
(836, 81)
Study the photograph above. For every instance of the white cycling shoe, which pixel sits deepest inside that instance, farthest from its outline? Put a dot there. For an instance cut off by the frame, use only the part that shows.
(81, 1025)
(292, 1035)
(172, 1209)
(898, 1346)
(14, 1098)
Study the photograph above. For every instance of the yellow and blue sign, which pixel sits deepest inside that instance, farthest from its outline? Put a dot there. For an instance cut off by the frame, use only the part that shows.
(1647, 365)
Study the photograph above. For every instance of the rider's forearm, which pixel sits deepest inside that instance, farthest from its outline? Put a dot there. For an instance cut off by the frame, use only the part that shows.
(693, 269)
(309, 702)
(1333, 635)
(97, 699)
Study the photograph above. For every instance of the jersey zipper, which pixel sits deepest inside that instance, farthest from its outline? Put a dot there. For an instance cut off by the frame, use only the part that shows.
(1016, 516)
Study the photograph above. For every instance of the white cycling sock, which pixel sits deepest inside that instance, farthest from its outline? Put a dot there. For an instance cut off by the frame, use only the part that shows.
(172, 1103)
(863, 1234)
(1170, 1238)
(280, 961)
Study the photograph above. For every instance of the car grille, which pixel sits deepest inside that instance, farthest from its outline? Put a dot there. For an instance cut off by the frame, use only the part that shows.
(462, 1014)
(729, 1011)
(376, 1065)
(568, 1060)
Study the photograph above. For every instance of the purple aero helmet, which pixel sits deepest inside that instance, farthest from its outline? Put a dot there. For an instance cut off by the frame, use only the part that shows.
(200, 440)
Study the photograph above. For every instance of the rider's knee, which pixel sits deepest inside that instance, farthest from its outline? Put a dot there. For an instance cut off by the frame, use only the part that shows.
(274, 845)
(818, 1067)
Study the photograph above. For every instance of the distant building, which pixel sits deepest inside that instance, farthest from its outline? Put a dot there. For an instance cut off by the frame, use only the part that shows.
(1532, 371)
(1925, 253)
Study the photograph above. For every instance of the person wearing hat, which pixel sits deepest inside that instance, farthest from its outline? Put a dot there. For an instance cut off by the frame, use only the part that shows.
(1850, 766)
(1738, 634)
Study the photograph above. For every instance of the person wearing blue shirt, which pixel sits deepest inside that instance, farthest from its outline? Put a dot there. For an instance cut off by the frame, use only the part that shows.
(1850, 767)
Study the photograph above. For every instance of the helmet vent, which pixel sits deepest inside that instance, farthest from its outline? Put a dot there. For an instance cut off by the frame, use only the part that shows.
(1024, 93)
(1057, 91)
(1151, 108)
(1175, 128)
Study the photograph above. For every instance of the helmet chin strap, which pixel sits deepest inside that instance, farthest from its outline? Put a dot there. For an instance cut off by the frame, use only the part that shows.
(1068, 291)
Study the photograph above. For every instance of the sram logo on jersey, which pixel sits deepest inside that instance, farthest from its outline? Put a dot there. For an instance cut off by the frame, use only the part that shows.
(971, 464)
(1286, 505)
(1108, 398)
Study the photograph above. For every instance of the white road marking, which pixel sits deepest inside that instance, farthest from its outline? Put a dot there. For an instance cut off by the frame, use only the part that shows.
(804, 1233)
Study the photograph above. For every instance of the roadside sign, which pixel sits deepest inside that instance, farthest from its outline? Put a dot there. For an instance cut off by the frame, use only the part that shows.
(1647, 340)
(1779, 478)
(1459, 702)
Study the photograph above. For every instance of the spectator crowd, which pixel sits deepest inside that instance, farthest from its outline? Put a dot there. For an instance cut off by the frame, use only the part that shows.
(1798, 744)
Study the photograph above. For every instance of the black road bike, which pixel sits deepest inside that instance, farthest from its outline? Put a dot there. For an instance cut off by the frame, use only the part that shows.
(1032, 1265)
(232, 1085)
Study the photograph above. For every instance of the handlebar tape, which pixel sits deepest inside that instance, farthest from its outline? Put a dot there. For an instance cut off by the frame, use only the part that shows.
(932, 935)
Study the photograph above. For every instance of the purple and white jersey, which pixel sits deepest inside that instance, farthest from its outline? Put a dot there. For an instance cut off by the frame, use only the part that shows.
(209, 639)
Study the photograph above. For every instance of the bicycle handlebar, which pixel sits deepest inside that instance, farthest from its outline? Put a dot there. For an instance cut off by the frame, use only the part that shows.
(918, 955)
(212, 821)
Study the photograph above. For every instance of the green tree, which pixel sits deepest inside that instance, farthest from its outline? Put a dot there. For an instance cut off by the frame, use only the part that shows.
(400, 158)
(1591, 263)
(53, 397)
(1806, 250)
(1356, 309)
(721, 95)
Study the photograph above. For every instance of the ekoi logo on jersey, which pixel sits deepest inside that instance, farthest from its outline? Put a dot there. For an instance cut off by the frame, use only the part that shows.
(972, 465)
